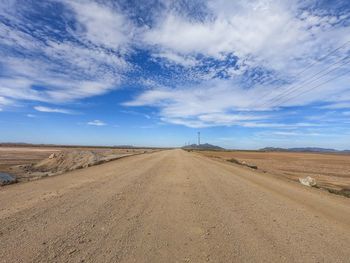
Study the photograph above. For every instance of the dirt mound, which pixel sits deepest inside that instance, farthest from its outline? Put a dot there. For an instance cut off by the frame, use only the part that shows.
(35, 163)
(67, 160)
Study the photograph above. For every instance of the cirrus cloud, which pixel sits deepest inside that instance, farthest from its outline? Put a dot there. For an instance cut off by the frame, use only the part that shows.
(53, 110)
(97, 123)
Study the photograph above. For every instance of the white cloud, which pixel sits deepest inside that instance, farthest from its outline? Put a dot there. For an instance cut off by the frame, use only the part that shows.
(273, 34)
(286, 133)
(101, 24)
(177, 59)
(91, 58)
(337, 105)
(283, 133)
(208, 97)
(5, 101)
(97, 123)
(65, 70)
(52, 110)
(281, 36)
(220, 103)
(278, 125)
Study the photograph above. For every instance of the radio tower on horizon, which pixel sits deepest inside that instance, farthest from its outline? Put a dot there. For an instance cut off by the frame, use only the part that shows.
(199, 138)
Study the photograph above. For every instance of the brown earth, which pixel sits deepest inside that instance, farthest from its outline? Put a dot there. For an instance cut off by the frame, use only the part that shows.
(28, 163)
(331, 171)
(10, 156)
(171, 206)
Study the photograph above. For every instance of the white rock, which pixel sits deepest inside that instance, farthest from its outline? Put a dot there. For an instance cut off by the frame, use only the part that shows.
(308, 181)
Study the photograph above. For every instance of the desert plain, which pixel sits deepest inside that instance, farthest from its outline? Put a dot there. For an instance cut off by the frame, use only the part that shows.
(330, 170)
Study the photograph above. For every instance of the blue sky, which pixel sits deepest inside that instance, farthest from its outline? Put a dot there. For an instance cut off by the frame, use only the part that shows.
(247, 74)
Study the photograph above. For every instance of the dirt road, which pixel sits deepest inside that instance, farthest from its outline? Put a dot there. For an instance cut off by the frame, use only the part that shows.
(171, 206)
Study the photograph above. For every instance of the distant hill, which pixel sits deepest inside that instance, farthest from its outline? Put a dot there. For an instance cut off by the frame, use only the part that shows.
(205, 146)
(273, 149)
(302, 149)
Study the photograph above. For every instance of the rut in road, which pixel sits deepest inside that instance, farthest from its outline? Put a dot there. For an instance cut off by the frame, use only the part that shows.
(171, 206)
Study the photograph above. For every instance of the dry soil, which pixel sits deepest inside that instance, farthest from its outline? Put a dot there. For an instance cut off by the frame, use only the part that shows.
(331, 171)
(171, 206)
(30, 163)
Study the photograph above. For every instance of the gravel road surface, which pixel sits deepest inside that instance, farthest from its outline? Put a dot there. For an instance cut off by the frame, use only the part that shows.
(171, 206)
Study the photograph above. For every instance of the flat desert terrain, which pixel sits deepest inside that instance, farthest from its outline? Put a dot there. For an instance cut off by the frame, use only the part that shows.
(171, 206)
(331, 171)
(10, 156)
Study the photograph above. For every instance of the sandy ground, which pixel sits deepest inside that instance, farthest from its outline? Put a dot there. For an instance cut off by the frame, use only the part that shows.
(330, 170)
(10, 156)
(30, 163)
(171, 206)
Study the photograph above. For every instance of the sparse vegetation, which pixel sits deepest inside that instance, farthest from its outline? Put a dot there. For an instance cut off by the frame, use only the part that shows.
(233, 160)
(343, 192)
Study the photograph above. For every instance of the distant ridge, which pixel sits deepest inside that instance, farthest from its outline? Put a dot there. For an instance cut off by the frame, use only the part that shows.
(302, 149)
(205, 146)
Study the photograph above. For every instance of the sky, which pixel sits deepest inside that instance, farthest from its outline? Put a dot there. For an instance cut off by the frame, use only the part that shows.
(246, 74)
